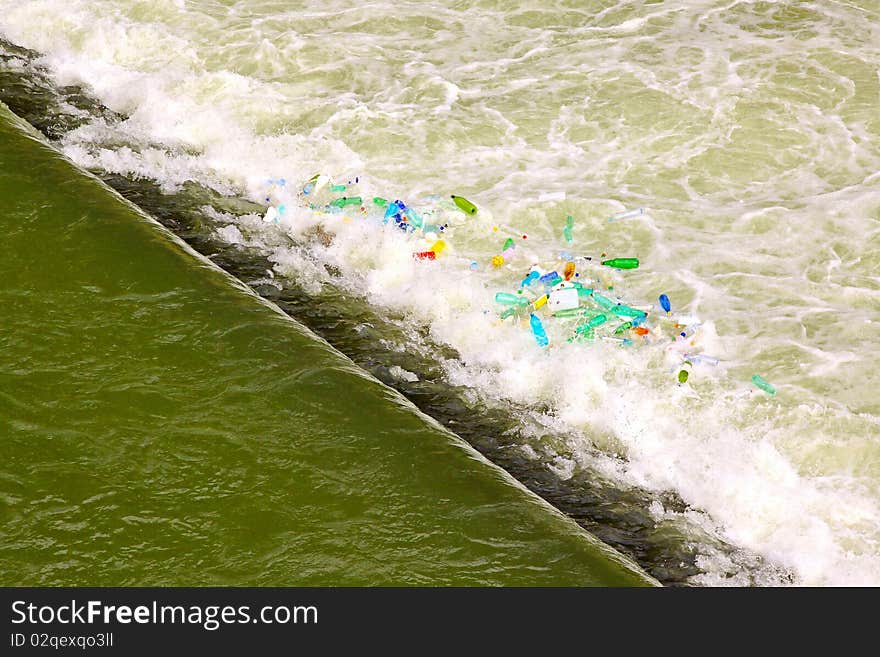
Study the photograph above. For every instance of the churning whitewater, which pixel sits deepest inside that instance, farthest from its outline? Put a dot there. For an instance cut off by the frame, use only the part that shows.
(748, 131)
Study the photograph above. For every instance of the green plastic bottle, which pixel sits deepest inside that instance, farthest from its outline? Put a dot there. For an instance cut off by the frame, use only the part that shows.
(346, 200)
(464, 205)
(604, 302)
(586, 335)
(622, 263)
(598, 320)
(566, 232)
(381, 202)
(508, 244)
(626, 326)
(508, 299)
(625, 311)
(574, 312)
(759, 381)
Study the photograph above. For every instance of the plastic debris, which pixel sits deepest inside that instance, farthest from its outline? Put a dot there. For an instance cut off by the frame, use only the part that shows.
(571, 299)
(702, 359)
(622, 263)
(464, 205)
(664, 303)
(392, 211)
(564, 299)
(528, 280)
(759, 381)
(603, 302)
(566, 232)
(507, 299)
(574, 312)
(685, 371)
(346, 201)
(538, 330)
(594, 322)
(413, 217)
(627, 215)
(622, 310)
(550, 279)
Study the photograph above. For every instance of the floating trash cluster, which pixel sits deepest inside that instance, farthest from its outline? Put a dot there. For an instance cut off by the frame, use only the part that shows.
(570, 292)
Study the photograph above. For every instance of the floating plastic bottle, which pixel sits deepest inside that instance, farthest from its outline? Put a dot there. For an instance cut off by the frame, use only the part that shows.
(346, 201)
(393, 210)
(622, 263)
(587, 334)
(569, 270)
(550, 279)
(627, 215)
(540, 301)
(464, 205)
(598, 320)
(425, 255)
(381, 202)
(664, 303)
(566, 232)
(508, 244)
(538, 330)
(513, 310)
(438, 247)
(337, 188)
(413, 217)
(574, 312)
(604, 302)
(759, 381)
(685, 371)
(702, 359)
(532, 277)
(685, 332)
(507, 299)
(640, 330)
(622, 310)
(623, 327)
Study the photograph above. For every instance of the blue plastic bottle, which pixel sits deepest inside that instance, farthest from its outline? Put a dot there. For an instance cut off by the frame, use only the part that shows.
(533, 276)
(538, 330)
